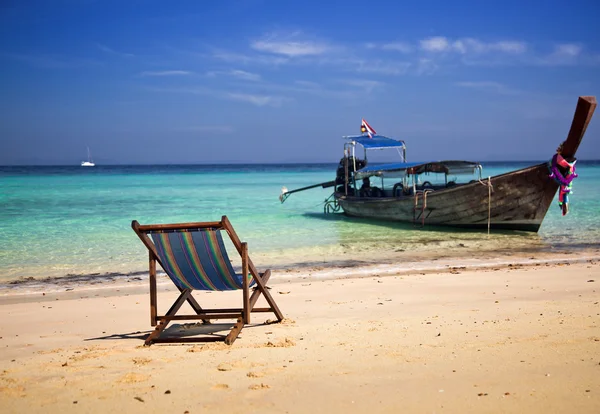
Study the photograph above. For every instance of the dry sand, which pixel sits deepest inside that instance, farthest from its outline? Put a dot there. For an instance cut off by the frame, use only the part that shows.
(519, 339)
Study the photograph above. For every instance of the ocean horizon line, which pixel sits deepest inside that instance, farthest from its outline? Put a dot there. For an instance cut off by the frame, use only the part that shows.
(492, 162)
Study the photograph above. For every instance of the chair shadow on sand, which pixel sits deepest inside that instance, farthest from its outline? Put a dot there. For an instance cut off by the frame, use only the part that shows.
(193, 332)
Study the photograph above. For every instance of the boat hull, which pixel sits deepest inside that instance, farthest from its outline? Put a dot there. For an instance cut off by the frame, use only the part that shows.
(518, 200)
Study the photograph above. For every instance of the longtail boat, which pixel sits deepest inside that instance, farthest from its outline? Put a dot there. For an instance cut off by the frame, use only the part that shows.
(407, 192)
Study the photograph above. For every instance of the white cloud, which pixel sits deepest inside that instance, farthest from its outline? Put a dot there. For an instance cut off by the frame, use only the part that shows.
(510, 46)
(489, 86)
(255, 99)
(470, 45)
(236, 73)
(421, 57)
(241, 58)
(291, 45)
(107, 49)
(258, 100)
(241, 74)
(294, 52)
(303, 87)
(568, 49)
(291, 49)
(435, 44)
(418, 57)
(564, 54)
(166, 73)
(426, 66)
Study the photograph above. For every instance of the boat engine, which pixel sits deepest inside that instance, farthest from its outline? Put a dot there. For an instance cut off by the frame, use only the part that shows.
(341, 169)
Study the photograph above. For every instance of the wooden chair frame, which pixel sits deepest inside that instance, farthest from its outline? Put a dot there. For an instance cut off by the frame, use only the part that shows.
(242, 314)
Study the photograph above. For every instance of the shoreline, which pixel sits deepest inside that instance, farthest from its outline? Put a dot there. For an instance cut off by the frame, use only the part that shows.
(116, 284)
(348, 250)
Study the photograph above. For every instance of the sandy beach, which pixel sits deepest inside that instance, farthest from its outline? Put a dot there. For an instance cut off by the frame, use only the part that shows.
(510, 338)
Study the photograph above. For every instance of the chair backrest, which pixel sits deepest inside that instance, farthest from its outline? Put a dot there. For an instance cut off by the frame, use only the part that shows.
(196, 259)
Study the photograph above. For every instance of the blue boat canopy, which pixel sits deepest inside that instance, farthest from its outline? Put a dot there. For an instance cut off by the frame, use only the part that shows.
(407, 168)
(377, 142)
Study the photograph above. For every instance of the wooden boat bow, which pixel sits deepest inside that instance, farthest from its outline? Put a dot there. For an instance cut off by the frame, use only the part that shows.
(586, 105)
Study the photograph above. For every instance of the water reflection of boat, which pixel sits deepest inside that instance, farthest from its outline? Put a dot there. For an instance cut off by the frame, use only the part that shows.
(408, 192)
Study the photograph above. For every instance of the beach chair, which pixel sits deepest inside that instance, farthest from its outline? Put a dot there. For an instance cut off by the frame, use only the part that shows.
(194, 257)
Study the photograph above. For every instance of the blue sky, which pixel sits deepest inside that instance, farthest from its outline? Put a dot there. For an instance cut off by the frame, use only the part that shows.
(143, 81)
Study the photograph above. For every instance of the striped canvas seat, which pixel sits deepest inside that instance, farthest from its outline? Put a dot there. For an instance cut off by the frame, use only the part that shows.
(197, 259)
(194, 257)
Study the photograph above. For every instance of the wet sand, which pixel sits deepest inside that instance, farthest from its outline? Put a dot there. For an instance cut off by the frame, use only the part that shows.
(457, 336)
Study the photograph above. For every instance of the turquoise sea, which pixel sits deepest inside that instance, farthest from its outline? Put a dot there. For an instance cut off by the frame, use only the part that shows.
(58, 221)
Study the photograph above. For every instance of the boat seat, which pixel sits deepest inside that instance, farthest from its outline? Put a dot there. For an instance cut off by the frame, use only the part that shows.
(371, 192)
(398, 190)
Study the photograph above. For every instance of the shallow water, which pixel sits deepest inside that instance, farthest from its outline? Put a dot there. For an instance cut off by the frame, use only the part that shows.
(56, 221)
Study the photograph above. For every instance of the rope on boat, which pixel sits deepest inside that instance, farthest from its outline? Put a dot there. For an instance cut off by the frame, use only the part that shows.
(490, 189)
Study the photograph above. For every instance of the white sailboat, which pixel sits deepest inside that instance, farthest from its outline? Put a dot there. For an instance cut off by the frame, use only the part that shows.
(89, 162)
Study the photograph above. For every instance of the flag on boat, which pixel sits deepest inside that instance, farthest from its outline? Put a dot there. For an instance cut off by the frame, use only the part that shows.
(365, 127)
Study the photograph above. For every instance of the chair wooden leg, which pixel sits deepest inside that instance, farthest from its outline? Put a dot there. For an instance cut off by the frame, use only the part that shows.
(156, 332)
(256, 293)
(164, 321)
(261, 288)
(271, 302)
(235, 331)
(245, 287)
(153, 300)
(238, 245)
